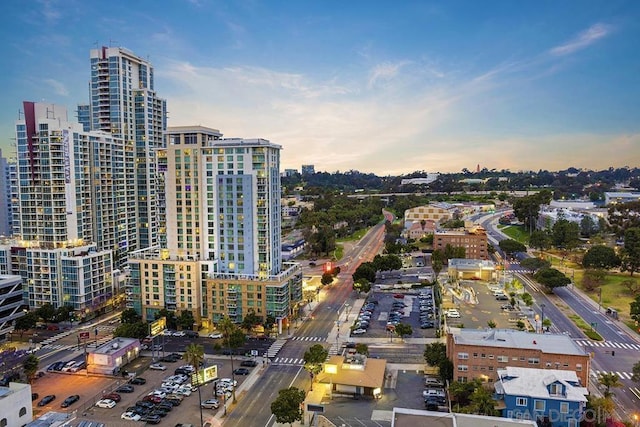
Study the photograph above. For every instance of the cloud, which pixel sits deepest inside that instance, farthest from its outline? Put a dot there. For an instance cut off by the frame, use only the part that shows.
(582, 40)
(58, 87)
(50, 10)
(385, 71)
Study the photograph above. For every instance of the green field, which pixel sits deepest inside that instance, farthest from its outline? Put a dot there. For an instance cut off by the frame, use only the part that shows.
(516, 232)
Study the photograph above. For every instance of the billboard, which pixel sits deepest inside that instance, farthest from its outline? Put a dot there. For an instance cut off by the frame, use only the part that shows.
(205, 375)
(158, 326)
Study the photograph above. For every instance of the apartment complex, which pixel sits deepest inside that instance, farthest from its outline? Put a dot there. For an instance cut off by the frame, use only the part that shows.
(223, 220)
(57, 198)
(10, 303)
(481, 353)
(473, 240)
(124, 104)
(6, 222)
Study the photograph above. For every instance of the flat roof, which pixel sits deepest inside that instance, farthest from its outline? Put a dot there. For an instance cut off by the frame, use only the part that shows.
(511, 338)
(403, 417)
(372, 376)
(114, 345)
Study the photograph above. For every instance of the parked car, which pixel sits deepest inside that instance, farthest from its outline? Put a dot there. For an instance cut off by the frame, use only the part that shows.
(105, 403)
(216, 335)
(210, 404)
(131, 416)
(249, 363)
(453, 313)
(125, 388)
(138, 381)
(112, 396)
(158, 367)
(358, 331)
(69, 401)
(241, 371)
(47, 399)
(151, 418)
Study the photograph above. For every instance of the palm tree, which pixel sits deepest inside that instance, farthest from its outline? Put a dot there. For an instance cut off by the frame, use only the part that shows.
(234, 338)
(609, 380)
(194, 355)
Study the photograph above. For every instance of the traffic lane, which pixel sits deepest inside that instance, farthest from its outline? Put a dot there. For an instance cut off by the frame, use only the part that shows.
(605, 327)
(254, 409)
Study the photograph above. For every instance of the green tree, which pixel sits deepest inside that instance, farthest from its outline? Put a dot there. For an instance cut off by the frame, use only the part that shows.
(362, 349)
(46, 312)
(313, 358)
(482, 403)
(520, 325)
(186, 320)
(366, 270)
(527, 209)
(137, 330)
(551, 278)
(130, 315)
(565, 234)
(546, 323)
(435, 353)
(403, 329)
(600, 257)
(588, 227)
(30, 366)
(540, 239)
(631, 251)
(592, 279)
(194, 355)
(635, 309)
(269, 322)
(534, 263)
(26, 322)
(609, 380)
(234, 338)
(250, 321)
(491, 324)
(362, 285)
(63, 314)
(387, 262)
(327, 279)
(510, 246)
(451, 252)
(286, 407)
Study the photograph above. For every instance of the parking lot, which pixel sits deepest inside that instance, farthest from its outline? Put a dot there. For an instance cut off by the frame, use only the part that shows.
(92, 388)
(383, 310)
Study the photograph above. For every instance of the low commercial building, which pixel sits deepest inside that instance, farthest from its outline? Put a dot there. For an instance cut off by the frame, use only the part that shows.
(544, 395)
(354, 375)
(471, 269)
(15, 405)
(615, 197)
(480, 354)
(438, 212)
(109, 358)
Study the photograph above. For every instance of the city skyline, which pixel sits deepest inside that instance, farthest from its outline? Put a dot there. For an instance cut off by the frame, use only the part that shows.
(381, 89)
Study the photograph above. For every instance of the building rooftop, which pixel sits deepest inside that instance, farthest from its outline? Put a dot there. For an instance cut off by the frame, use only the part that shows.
(460, 263)
(369, 373)
(533, 382)
(114, 345)
(547, 343)
(403, 417)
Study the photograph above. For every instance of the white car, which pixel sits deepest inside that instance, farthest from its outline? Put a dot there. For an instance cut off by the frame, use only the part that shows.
(228, 381)
(158, 367)
(105, 403)
(131, 416)
(158, 393)
(215, 336)
(185, 389)
(453, 314)
(179, 334)
(358, 331)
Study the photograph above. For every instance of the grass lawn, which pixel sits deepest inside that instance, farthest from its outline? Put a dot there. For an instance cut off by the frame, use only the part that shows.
(516, 232)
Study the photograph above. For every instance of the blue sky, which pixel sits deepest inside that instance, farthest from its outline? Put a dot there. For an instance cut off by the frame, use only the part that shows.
(387, 87)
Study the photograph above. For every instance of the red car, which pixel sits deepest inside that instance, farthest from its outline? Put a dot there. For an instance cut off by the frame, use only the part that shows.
(154, 399)
(113, 396)
(398, 296)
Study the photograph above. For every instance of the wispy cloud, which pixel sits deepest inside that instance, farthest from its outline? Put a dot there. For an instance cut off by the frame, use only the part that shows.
(385, 72)
(582, 40)
(50, 10)
(58, 87)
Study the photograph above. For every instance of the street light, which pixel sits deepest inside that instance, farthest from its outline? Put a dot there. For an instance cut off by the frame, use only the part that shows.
(542, 318)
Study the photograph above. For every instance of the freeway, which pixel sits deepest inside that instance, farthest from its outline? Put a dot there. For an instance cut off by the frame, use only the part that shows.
(254, 408)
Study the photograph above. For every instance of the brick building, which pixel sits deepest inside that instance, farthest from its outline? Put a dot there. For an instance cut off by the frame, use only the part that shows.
(479, 353)
(473, 240)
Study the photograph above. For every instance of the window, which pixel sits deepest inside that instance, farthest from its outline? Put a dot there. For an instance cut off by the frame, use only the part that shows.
(463, 355)
(564, 407)
(463, 368)
(539, 405)
(503, 359)
(573, 422)
(555, 389)
(534, 361)
(521, 401)
(578, 366)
